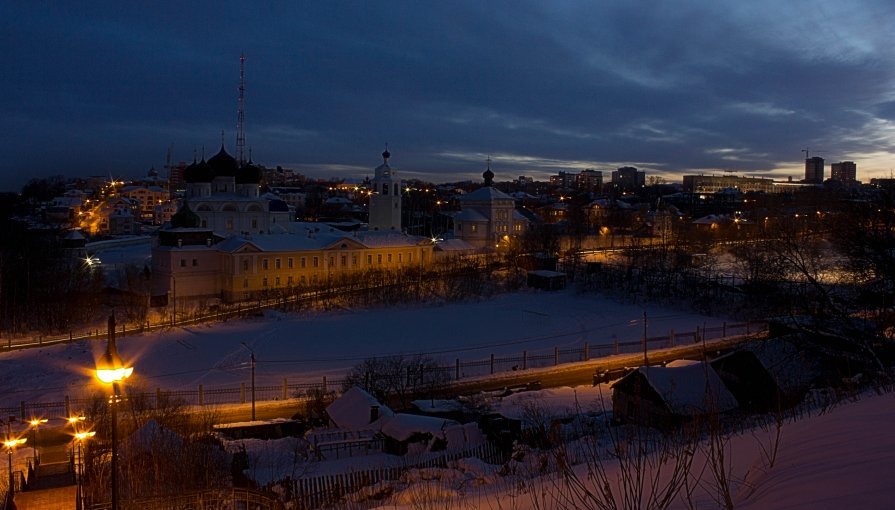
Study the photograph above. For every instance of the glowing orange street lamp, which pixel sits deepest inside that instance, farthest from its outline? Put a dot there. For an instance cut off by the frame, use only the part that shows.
(111, 370)
(10, 445)
(36, 423)
(79, 473)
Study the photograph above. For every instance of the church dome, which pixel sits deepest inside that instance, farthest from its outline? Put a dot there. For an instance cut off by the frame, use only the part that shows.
(185, 218)
(198, 172)
(223, 164)
(248, 174)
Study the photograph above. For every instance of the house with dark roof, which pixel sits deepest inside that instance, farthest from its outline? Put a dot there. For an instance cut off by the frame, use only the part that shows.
(665, 397)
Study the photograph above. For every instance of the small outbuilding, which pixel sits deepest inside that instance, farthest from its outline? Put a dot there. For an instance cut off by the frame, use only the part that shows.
(665, 397)
(546, 280)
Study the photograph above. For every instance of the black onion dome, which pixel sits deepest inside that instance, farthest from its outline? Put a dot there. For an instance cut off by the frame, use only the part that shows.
(488, 175)
(248, 174)
(223, 164)
(198, 172)
(185, 218)
(278, 205)
(386, 154)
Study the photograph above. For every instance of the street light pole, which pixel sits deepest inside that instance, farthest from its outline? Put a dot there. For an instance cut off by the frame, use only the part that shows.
(36, 424)
(111, 370)
(79, 470)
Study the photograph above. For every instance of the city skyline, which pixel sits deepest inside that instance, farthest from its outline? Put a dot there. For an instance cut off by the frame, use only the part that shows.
(694, 87)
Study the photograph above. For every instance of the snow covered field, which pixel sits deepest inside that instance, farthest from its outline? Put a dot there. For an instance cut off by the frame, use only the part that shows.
(308, 346)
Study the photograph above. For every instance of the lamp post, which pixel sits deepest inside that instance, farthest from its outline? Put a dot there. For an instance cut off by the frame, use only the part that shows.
(253, 377)
(111, 370)
(36, 422)
(81, 436)
(10, 445)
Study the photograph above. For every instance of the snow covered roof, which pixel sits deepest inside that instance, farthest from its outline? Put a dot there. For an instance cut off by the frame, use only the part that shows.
(454, 245)
(470, 215)
(352, 410)
(485, 194)
(403, 426)
(693, 388)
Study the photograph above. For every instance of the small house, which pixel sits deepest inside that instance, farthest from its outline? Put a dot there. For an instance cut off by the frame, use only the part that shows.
(357, 410)
(664, 397)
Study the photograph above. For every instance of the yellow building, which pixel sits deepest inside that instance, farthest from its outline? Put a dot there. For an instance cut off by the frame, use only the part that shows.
(192, 262)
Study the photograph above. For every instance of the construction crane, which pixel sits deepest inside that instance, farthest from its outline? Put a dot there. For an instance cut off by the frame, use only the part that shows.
(807, 154)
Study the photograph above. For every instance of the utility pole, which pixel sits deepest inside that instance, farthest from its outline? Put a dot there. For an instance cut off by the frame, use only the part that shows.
(645, 359)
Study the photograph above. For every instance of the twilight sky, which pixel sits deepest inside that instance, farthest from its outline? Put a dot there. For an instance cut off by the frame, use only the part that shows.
(672, 87)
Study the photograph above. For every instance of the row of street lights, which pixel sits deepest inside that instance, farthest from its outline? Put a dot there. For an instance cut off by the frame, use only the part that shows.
(111, 370)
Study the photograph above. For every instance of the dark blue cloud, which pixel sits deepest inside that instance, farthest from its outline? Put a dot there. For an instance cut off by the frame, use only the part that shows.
(541, 86)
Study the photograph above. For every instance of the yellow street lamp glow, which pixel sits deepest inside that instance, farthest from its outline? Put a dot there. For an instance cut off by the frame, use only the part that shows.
(37, 421)
(75, 419)
(109, 367)
(80, 436)
(113, 375)
(12, 443)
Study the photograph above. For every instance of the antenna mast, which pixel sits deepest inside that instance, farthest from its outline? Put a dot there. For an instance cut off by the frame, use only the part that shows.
(240, 116)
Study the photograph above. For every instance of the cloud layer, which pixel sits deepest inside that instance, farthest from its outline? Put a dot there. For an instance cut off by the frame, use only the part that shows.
(673, 87)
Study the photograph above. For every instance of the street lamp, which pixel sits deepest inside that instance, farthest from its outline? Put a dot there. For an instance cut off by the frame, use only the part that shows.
(36, 422)
(79, 470)
(10, 445)
(111, 370)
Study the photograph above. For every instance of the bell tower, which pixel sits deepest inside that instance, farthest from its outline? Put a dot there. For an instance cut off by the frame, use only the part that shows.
(385, 202)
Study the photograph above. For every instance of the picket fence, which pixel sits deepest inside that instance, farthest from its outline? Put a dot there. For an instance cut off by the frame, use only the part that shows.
(316, 492)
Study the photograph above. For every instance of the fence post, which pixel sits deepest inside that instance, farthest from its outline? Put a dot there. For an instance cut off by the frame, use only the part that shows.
(242, 392)
(555, 356)
(67, 407)
(200, 395)
(69, 337)
(457, 370)
(524, 360)
(22, 405)
(158, 397)
(696, 337)
(615, 342)
(324, 384)
(492, 364)
(671, 337)
(285, 387)
(724, 330)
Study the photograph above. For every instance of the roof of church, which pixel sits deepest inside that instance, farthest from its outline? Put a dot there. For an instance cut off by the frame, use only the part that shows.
(469, 215)
(485, 193)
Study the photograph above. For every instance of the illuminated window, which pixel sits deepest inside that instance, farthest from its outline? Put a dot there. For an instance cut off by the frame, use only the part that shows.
(474, 228)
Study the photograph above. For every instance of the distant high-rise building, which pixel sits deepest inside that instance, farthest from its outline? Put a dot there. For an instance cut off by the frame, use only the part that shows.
(845, 171)
(814, 170)
(589, 180)
(563, 180)
(628, 178)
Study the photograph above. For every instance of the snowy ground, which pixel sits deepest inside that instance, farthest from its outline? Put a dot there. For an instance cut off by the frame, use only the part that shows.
(839, 459)
(303, 348)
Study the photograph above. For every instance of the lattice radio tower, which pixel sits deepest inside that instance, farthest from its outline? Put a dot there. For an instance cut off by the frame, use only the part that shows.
(240, 115)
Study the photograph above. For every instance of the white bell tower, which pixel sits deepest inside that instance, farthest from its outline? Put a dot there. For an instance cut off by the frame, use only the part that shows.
(385, 202)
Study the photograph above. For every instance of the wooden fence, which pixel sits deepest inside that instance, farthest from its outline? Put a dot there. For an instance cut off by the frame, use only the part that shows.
(309, 493)
(203, 500)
